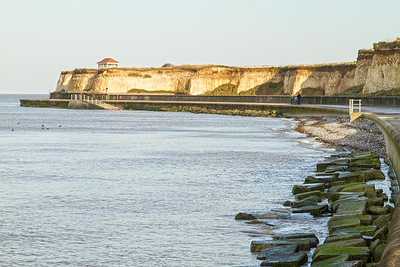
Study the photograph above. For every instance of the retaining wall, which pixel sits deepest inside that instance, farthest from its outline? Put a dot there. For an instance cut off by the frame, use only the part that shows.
(391, 256)
(322, 100)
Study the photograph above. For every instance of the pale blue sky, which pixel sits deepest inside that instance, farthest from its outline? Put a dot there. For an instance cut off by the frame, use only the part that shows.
(40, 38)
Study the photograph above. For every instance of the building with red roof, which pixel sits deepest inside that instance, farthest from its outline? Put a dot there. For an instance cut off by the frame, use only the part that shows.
(107, 63)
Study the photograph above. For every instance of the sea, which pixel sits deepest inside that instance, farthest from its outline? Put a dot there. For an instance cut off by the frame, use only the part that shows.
(142, 188)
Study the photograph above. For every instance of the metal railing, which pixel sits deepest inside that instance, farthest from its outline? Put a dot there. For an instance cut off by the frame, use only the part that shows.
(354, 109)
(86, 98)
(354, 106)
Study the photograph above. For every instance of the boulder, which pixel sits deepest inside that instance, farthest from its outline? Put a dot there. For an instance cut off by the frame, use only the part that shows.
(315, 210)
(350, 206)
(297, 189)
(361, 176)
(367, 230)
(326, 179)
(343, 222)
(366, 162)
(322, 166)
(342, 236)
(377, 210)
(309, 201)
(376, 201)
(256, 221)
(283, 250)
(273, 215)
(295, 236)
(304, 241)
(378, 252)
(354, 253)
(308, 194)
(381, 233)
(304, 244)
(338, 260)
(343, 195)
(356, 242)
(260, 245)
(359, 187)
(292, 260)
(382, 220)
(244, 216)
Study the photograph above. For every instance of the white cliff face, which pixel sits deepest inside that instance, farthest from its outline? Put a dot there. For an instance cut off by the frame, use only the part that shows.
(376, 70)
(383, 73)
(203, 80)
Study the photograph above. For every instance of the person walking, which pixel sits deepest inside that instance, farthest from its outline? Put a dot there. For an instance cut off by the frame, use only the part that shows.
(298, 98)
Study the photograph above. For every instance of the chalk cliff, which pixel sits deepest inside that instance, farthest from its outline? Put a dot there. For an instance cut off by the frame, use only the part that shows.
(376, 71)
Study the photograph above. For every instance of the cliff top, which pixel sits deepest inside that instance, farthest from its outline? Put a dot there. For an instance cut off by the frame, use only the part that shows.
(385, 46)
(195, 68)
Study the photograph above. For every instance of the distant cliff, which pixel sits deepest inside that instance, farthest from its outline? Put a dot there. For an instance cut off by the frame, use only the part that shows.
(376, 71)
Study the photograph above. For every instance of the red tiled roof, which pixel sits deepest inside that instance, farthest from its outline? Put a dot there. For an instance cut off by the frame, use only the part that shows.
(108, 60)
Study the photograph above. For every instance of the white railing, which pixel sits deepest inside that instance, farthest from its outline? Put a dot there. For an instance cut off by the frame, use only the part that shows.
(354, 109)
(354, 106)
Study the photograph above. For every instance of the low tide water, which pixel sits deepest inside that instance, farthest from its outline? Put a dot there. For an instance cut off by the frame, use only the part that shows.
(139, 188)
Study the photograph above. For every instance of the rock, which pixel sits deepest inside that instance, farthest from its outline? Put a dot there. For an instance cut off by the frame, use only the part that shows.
(256, 221)
(361, 176)
(381, 233)
(260, 245)
(288, 203)
(304, 241)
(244, 216)
(379, 192)
(304, 244)
(309, 201)
(283, 250)
(366, 219)
(343, 195)
(359, 187)
(331, 262)
(382, 220)
(320, 179)
(295, 236)
(354, 253)
(374, 244)
(273, 215)
(342, 236)
(315, 210)
(297, 189)
(308, 194)
(322, 166)
(376, 201)
(357, 242)
(350, 205)
(377, 210)
(365, 162)
(331, 169)
(378, 252)
(293, 260)
(340, 222)
(368, 230)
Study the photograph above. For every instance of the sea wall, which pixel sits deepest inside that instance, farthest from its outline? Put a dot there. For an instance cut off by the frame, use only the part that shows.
(375, 72)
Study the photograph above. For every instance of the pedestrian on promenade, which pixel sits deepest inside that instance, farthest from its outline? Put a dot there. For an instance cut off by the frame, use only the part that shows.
(298, 98)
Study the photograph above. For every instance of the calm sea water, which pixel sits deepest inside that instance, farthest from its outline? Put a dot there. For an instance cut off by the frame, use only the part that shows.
(138, 188)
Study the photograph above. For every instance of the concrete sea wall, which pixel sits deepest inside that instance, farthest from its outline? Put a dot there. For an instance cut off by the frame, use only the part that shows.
(391, 256)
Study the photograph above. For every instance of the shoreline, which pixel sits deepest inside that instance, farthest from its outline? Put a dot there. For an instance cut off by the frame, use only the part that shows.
(347, 187)
(339, 133)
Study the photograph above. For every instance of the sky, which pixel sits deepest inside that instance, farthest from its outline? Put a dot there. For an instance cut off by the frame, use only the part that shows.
(40, 38)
